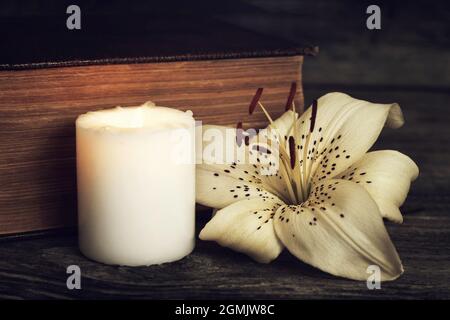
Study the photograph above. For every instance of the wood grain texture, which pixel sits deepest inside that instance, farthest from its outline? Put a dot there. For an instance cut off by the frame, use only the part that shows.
(38, 109)
(35, 268)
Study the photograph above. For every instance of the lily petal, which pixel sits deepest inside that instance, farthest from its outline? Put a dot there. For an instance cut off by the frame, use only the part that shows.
(340, 231)
(387, 176)
(345, 128)
(218, 188)
(246, 226)
(284, 123)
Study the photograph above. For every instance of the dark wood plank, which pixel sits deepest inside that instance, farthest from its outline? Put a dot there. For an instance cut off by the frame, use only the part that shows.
(35, 268)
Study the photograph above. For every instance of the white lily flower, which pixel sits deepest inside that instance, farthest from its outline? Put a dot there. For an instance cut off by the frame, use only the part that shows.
(326, 201)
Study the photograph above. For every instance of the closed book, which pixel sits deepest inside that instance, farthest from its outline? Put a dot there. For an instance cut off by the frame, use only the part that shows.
(49, 75)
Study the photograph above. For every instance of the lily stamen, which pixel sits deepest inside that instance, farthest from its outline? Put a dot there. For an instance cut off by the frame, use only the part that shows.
(292, 151)
(290, 100)
(299, 186)
(308, 158)
(265, 112)
(255, 100)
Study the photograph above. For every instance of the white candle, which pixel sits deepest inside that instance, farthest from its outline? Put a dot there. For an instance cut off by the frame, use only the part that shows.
(136, 184)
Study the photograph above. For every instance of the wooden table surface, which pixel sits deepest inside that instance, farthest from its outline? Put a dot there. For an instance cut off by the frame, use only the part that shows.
(36, 267)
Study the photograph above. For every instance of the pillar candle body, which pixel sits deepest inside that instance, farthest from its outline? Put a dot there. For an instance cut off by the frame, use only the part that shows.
(136, 185)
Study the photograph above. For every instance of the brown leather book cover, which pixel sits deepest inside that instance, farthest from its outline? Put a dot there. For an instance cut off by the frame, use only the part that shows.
(49, 75)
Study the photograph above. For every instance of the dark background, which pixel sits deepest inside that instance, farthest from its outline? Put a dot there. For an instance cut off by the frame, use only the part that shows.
(407, 61)
(411, 49)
